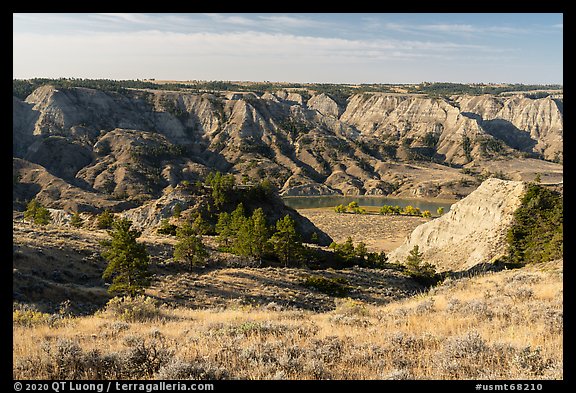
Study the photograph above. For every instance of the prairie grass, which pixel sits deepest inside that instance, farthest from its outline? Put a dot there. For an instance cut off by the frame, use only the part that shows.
(504, 325)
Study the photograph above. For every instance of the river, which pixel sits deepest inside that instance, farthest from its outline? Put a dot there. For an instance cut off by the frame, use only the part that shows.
(310, 202)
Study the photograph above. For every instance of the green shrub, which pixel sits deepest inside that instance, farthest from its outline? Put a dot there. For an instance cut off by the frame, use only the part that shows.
(350, 307)
(76, 221)
(337, 287)
(166, 228)
(354, 208)
(389, 209)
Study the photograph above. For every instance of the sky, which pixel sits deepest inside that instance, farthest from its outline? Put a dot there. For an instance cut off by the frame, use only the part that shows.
(306, 48)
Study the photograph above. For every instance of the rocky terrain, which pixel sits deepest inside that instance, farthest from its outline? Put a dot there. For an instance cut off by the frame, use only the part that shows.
(472, 232)
(110, 149)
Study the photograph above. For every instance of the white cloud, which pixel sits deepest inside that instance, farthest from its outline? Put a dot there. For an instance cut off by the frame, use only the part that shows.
(125, 17)
(249, 55)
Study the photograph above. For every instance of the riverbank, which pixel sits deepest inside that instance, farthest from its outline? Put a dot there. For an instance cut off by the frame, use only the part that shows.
(367, 201)
(378, 232)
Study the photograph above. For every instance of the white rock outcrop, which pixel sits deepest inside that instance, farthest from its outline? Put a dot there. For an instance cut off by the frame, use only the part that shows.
(472, 232)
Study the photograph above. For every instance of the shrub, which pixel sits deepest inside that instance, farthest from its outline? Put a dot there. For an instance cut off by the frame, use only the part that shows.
(200, 369)
(337, 287)
(76, 220)
(133, 309)
(354, 208)
(29, 318)
(350, 307)
(426, 214)
(146, 355)
(388, 209)
(166, 228)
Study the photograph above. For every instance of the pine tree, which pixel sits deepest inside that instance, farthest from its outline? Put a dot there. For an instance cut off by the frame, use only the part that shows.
(286, 240)
(260, 233)
(42, 216)
(243, 240)
(416, 268)
(76, 221)
(105, 220)
(37, 213)
(127, 260)
(189, 248)
(177, 210)
(200, 226)
(223, 229)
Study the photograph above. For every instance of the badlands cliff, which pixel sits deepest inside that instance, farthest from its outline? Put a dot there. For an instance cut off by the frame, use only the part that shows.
(132, 145)
(472, 232)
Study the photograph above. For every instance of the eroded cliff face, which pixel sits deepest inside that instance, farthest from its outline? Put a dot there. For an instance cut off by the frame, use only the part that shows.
(134, 144)
(526, 124)
(472, 232)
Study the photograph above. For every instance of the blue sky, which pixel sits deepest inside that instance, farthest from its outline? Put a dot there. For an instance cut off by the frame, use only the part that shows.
(322, 48)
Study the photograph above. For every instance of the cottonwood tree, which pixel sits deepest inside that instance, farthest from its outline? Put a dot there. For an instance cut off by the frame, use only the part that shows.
(127, 260)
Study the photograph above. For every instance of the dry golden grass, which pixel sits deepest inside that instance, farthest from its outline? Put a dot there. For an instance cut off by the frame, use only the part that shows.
(504, 325)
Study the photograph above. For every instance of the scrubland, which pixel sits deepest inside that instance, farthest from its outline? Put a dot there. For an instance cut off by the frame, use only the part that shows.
(499, 325)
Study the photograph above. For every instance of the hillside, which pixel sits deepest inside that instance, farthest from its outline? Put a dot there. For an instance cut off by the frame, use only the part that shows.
(473, 328)
(59, 263)
(132, 144)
